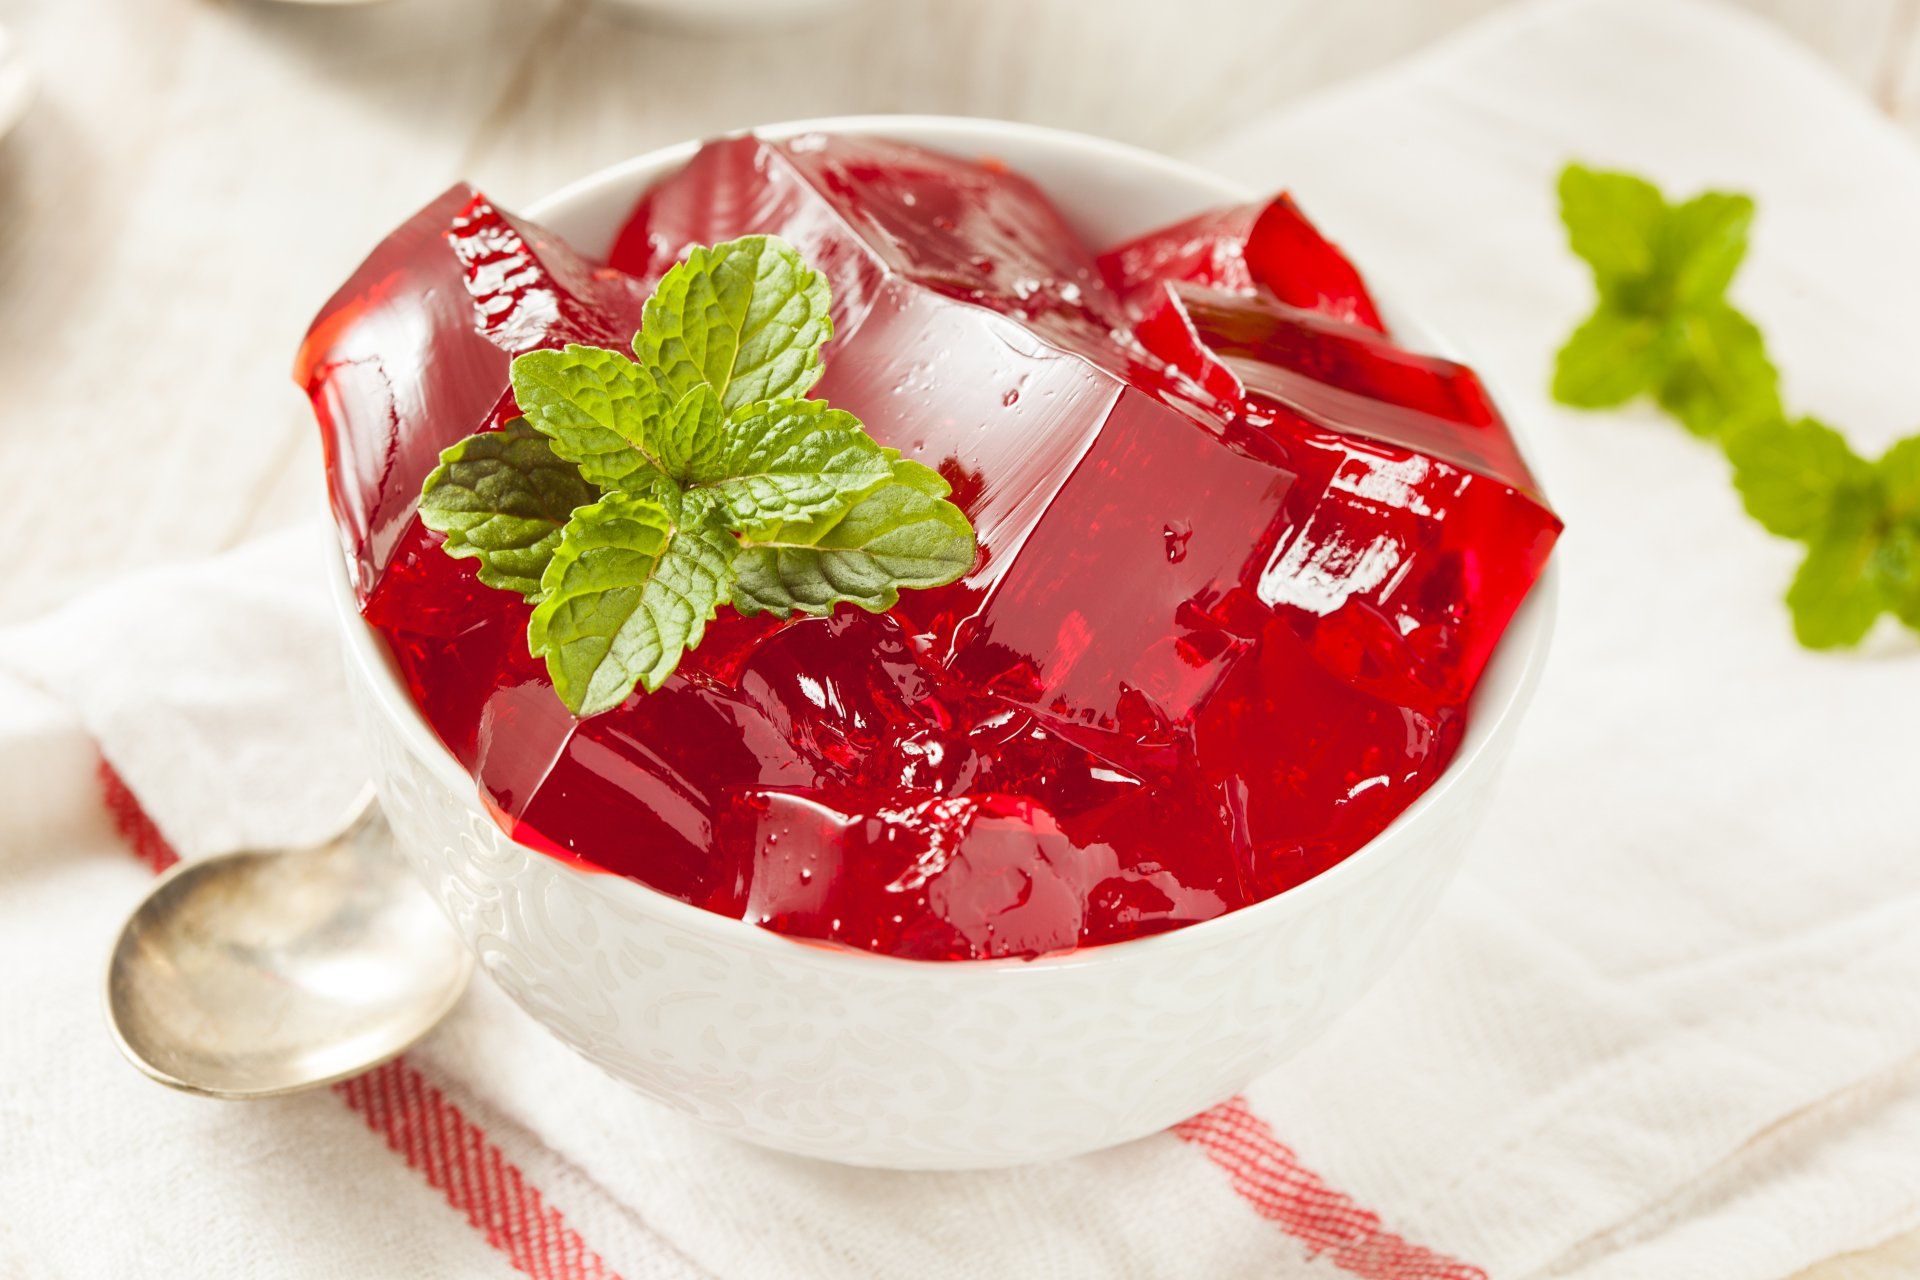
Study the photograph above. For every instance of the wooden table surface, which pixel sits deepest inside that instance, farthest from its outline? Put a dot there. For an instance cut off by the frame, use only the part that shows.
(197, 175)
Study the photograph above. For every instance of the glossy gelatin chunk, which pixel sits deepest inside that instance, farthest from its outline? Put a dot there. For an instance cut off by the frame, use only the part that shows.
(1316, 764)
(409, 356)
(1242, 560)
(1418, 527)
(1358, 381)
(980, 876)
(1270, 248)
(939, 823)
(1208, 248)
(411, 353)
(870, 213)
(1402, 570)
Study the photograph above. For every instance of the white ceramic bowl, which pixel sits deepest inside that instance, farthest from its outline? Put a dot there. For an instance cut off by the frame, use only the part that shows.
(872, 1060)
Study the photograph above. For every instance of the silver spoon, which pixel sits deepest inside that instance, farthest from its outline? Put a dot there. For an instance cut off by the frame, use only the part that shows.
(266, 971)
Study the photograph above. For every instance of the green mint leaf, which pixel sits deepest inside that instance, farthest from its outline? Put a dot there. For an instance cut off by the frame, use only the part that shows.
(631, 494)
(631, 586)
(747, 318)
(1611, 359)
(598, 407)
(1613, 221)
(1721, 377)
(1900, 571)
(502, 497)
(1663, 323)
(1702, 243)
(903, 533)
(689, 438)
(1791, 474)
(791, 460)
(1898, 474)
(1837, 593)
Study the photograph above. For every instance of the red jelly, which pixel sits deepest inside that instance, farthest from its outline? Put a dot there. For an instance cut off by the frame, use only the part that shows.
(1242, 560)
(1268, 248)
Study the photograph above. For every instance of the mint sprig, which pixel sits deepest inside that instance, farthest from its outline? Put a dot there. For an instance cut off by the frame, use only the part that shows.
(1860, 521)
(636, 496)
(1663, 326)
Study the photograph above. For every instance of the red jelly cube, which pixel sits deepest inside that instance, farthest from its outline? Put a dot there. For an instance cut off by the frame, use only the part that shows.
(1087, 623)
(1315, 765)
(1405, 569)
(411, 353)
(866, 210)
(940, 879)
(964, 877)
(1289, 258)
(1356, 381)
(1418, 528)
(1208, 248)
(1271, 248)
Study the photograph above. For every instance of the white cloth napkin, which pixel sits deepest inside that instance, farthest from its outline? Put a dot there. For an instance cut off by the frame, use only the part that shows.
(1668, 1024)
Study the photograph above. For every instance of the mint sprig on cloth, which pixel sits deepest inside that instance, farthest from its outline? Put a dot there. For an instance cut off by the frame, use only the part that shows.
(1663, 327)
(637, 495)
(1860, 521)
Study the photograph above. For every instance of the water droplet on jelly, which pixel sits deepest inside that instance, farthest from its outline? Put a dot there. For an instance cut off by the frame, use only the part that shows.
(1011, 398)
(1176, 536)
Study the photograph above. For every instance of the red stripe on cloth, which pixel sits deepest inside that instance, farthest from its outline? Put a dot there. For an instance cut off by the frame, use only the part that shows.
(1297, 1200)
(458, 1160)
(434, 1137)
(132, 822)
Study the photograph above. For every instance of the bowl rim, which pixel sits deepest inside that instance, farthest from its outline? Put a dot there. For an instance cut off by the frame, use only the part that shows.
(1499, 700)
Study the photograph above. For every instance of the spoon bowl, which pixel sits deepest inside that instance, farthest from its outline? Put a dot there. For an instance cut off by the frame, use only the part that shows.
(264, 972)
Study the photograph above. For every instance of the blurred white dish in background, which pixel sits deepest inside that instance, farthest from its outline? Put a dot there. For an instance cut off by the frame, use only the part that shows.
(16, 82)
(717, 14)
(722, 14)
